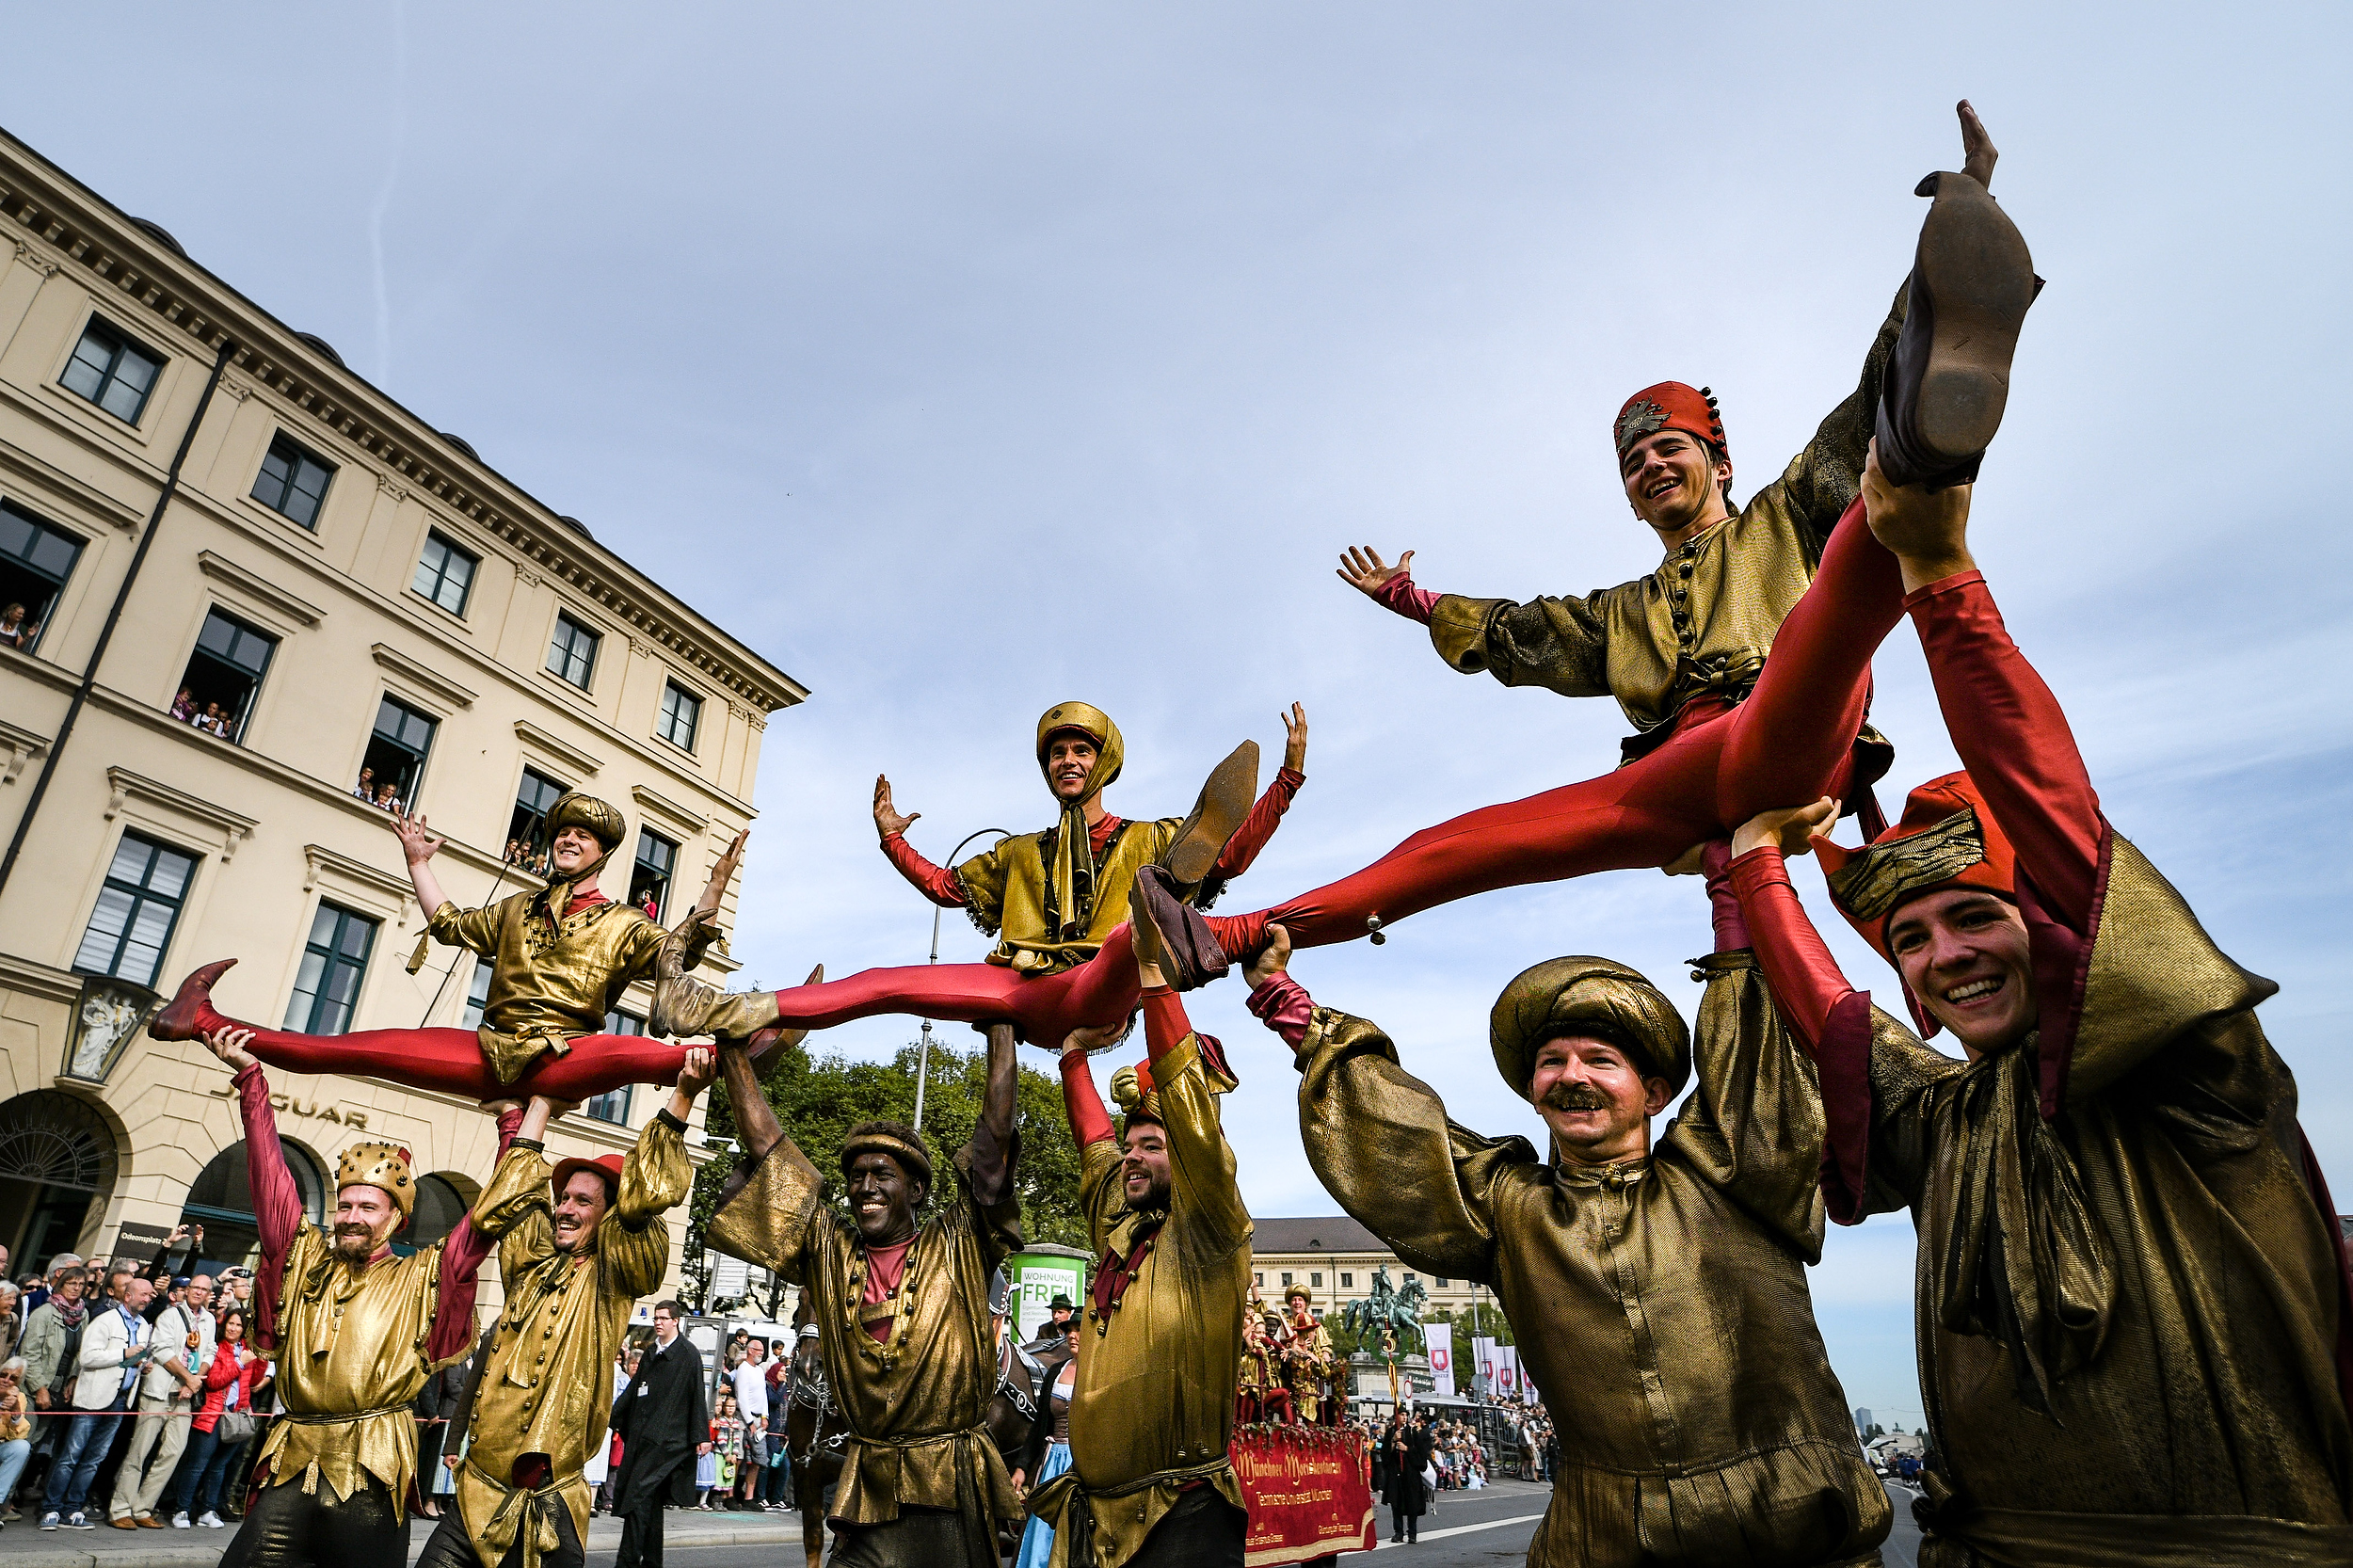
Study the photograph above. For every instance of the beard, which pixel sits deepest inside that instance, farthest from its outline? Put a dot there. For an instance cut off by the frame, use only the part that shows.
(1564, 1096)
(354, 1243)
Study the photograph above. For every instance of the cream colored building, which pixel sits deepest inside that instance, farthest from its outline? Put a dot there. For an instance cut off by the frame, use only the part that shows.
(1334, 1259)
(343, 587)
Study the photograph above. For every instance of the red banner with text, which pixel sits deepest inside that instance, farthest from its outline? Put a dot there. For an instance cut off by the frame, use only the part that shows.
(1308, 1489)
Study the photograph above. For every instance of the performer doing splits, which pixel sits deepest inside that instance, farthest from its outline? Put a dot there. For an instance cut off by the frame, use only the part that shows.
(2132, 1315)
(577, 1245)
(1726, 730)
(902, 1312)
(1152, 1414)
(1058, 897)
(355, 1332)
(1656, 1288)
(560, 959)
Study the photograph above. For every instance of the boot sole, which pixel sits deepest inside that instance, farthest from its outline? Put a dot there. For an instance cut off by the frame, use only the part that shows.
(1226, 800)
(1980, 280)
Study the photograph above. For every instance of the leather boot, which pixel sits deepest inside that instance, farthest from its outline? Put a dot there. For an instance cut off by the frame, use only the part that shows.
(1172, 933)
(1941, 397)
(765, 1043)
(1225, 801)
(189, 1015)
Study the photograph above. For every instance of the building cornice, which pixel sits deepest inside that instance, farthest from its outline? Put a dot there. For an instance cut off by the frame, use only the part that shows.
(397, 662)
(564, 752)
(235, 827)
(56, 480)
(66, 225)
(25, 976)
(24, 746)
(222, 569)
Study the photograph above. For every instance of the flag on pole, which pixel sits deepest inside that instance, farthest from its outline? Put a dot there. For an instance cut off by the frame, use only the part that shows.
(1440, 1338)
(1484, 1365)
(1508, 1371)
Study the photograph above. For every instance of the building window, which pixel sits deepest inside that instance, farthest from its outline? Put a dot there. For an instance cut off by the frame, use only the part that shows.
(614, 1106)
(334, 962)
(527, 829)
(1258, 1277)
(1442, 1282)
(1286, 1276)
(223, 676)
(1348, 1282)
(477, 995)
(446, 574)
(650, 879)
(1409, 1278)
(111, 371)
(35, 560)
(292, 481)
(1316, 1280)
(137, 909)
(395, 760)
(681, 710)
(572, 652)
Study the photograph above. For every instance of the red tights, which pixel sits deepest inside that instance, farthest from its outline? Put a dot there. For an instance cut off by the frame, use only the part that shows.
(1791, 741)
(1044, 1008)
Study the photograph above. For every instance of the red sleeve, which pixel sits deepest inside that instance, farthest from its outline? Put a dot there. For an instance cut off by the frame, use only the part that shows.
(1258, 828)
(1089, 1122)
(936, 883)
(1284, 1006)
(462, 1256)
(2015, 743)
(1399, 594)
(277, 1201)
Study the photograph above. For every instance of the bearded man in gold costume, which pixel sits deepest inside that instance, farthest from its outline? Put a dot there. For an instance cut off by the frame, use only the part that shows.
(577, 1245)
(560, 959)
(2133, 1319)
(1657, 1289)
(1309, 1363)
(902, 1311)
(355, 1332)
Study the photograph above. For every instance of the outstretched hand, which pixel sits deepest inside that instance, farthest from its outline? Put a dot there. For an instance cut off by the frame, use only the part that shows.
(1977, 156)
(1273, 959)
(1094, 1039)
(229, 1044)
(1362, 569)
(1793, 828)
(1295, 739)
(416, 844)
(886, 817)
(699, 1071)
(1926, 530)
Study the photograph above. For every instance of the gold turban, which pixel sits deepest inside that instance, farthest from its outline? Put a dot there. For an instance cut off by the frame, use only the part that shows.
(1070, 876)
(895, 1139)
(574, 809)
(1592, 997)
(384, 1165)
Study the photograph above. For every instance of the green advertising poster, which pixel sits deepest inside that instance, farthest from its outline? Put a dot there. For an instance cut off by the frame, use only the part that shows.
(1038, 1275)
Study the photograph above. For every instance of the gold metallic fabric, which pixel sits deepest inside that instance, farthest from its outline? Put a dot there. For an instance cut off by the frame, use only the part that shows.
(380, 1166)
(1595, 996)
(602, 820)
(548, 1387)
(1661, 1304)
(1006, 894)
(1731, 588)
(1154, 1401)
(2130, 1309)
(552, 980)
(350, 1362)
(1310, 1360)
(916, 1403)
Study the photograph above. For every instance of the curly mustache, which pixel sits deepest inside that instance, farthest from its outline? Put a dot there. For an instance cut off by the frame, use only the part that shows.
(1564, 1096)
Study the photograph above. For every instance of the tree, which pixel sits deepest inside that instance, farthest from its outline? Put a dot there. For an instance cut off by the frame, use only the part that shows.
(819, 1099)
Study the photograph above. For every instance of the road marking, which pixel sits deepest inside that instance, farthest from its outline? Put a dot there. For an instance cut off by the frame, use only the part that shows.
(1464, 1529)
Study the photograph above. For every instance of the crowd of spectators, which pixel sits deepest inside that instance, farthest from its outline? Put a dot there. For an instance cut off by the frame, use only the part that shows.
(382, 794)
(746, 1469)
(17, 629)
(210, 718)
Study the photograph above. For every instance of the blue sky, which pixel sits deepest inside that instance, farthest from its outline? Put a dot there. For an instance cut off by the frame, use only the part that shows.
(965, 359)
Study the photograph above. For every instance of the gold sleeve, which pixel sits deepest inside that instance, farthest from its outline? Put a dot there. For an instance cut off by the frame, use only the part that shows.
(770, 1218)
(1559, 644)
(1099, 1195)
(514, 1209)
(655, 1176)
(983, 881)
(1205, 1200)
(1754, 1124)
(1379, 1140)
(474, 929)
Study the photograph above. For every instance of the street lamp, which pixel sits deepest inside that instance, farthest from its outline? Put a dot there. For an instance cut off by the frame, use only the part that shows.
(923, 1057)
(107, 1014)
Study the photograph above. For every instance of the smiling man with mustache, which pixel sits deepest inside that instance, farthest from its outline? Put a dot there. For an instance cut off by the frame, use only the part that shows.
(1656, 1288)
(2132, 1299)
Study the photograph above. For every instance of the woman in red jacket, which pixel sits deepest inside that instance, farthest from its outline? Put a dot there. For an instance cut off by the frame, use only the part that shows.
(228, 1387)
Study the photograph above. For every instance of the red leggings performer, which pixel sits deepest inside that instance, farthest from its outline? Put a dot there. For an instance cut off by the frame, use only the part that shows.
(449, 1061)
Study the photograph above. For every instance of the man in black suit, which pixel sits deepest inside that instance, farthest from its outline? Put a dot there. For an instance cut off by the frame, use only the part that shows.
(663, 1423)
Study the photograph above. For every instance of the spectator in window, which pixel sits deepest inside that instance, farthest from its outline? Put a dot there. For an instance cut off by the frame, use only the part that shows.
(12, 629)
(212, 722)
(387, 797)
(366, 787)
(184, 705)
(515, 852)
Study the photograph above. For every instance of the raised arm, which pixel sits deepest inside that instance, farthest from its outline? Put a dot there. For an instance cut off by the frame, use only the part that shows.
(418, 845)
(1259, 826)
(994, 1146)
(462, 1256)
(276, 1201)
(769, 1204)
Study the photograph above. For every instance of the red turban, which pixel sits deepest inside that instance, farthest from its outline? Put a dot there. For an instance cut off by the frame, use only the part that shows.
(1946, 840)
(1670, 406)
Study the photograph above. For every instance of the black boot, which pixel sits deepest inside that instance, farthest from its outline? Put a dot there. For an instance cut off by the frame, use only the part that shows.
(1948, 378)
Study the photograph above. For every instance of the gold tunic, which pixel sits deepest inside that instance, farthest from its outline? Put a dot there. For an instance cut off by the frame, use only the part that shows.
(1702, 623)
(351, 1343)
(2150, 1265)
(548, 1387)
(1309, 1362)
(1154, 1396)
(915, 1405)
(1660, 1305)
(1005, 891)
(552, 981)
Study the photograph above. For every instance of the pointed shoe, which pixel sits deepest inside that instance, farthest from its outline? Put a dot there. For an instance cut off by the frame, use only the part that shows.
(1172, 933)
(1947, 381)
(1226, 800)
(190, 1012)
